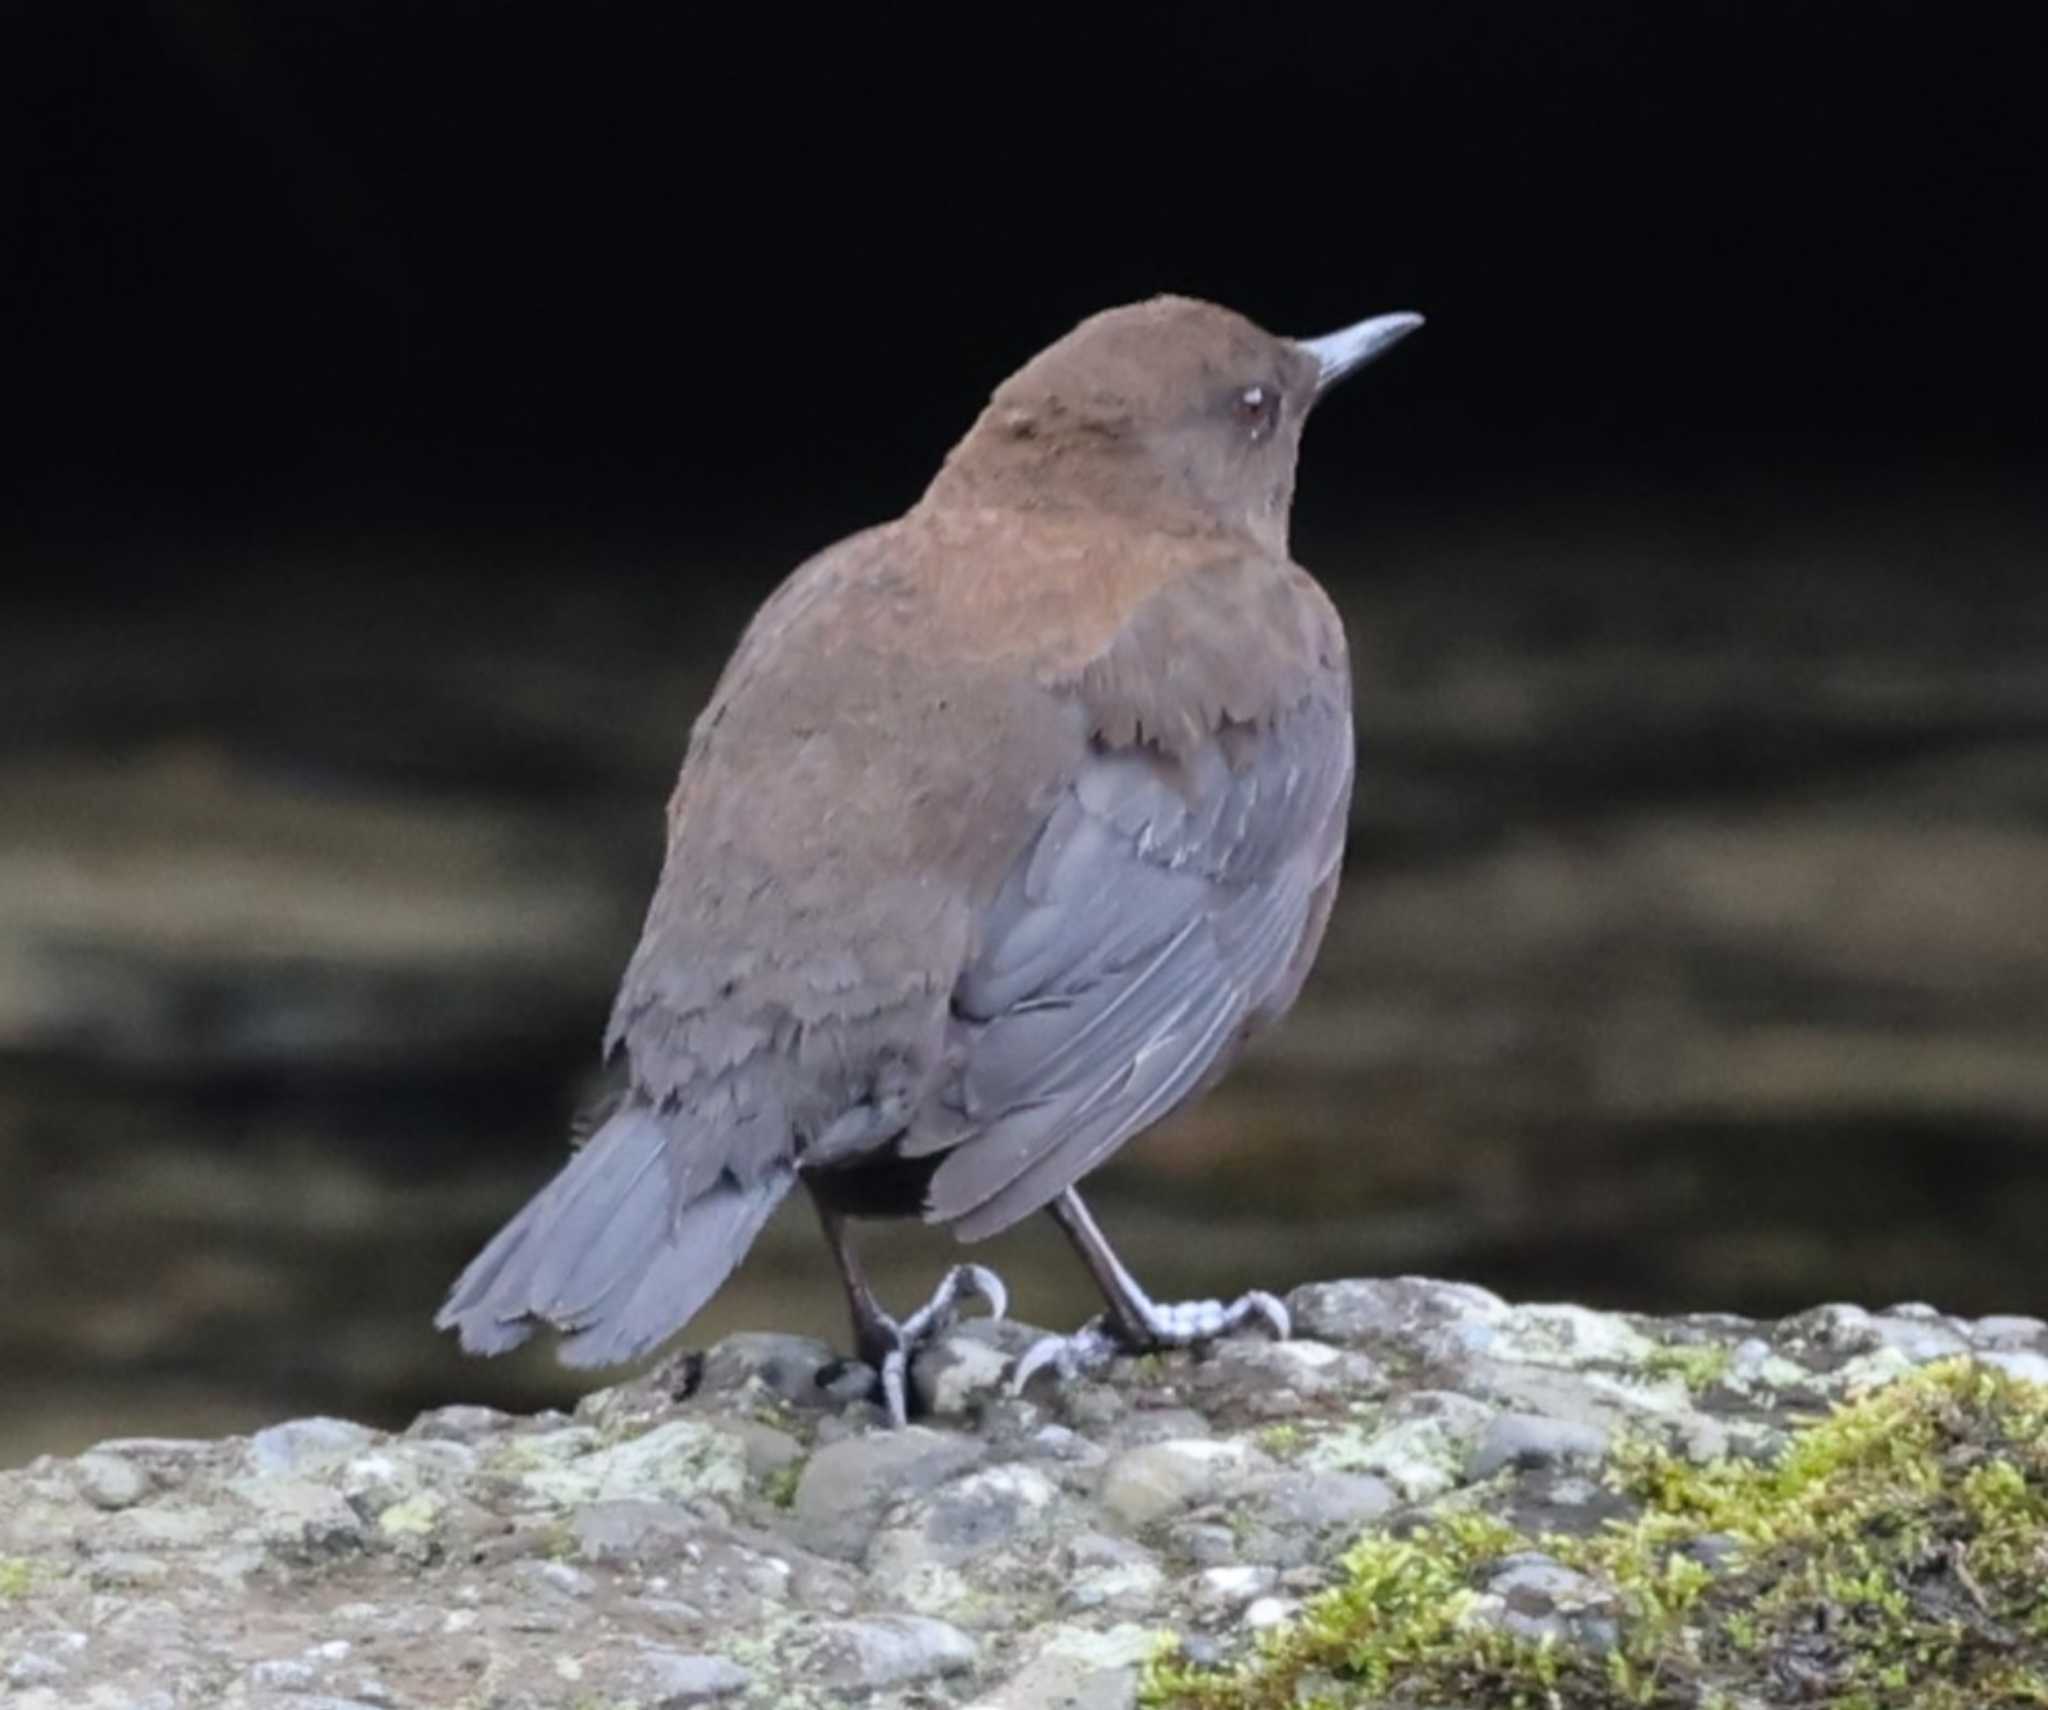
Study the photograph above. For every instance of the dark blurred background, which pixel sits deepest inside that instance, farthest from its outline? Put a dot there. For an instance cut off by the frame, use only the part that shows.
(406, 404)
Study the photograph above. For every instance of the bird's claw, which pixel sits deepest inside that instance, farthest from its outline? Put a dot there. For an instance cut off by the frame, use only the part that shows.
(1088, 1350)
(1177, 1325)
(931, 1321)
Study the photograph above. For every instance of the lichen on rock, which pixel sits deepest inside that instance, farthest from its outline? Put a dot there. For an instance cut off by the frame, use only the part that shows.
(1431, 1497)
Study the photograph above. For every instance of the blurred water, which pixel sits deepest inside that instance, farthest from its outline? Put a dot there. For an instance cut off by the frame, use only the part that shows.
(1693, 950)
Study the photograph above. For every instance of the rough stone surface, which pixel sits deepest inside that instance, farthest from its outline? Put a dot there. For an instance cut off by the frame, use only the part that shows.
(736, 1529)
(1529, 1440)
(889, 1650)
(676, 1678)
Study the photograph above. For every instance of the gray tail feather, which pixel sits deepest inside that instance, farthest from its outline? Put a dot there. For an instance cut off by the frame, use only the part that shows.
(604, 1255)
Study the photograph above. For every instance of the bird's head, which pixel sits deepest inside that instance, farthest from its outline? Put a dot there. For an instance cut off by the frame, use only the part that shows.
(1174, 413)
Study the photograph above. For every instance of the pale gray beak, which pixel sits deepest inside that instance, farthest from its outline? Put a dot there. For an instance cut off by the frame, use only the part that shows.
(1340, 353)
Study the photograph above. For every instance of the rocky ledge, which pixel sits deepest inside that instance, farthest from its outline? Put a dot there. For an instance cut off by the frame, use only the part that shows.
(1429, 1497)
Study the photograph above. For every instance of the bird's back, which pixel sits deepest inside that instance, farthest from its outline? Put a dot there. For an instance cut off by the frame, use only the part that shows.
(894, 735)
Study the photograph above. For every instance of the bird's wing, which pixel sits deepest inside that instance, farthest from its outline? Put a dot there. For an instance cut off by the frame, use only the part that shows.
(1168, 901)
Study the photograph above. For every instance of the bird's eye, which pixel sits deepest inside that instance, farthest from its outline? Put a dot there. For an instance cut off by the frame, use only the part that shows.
(1257, 408)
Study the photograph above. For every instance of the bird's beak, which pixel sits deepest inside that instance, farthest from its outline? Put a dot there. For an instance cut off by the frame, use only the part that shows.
(1345, 352)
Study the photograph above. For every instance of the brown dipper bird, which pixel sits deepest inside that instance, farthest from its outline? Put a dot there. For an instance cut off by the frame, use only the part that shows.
(1007, 825)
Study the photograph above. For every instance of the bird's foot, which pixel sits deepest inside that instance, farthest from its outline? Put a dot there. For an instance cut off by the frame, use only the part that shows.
(898, 1341)
(1180, 1325)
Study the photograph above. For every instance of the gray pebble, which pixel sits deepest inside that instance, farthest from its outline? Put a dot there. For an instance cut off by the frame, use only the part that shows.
(675, 1679)
(302, 1520)
(108, 1480)
(889, 1650)
(460, 1423)
(634, 1529)
(300, 1446)
(1920, 1335)
(284, 1674)
(1717, 1552)
(786, 1366)
(2019, 1363)
(569, 1581)
(32, 1668)
(1146, 1484)
(1317, 1502)
(122, 1570)
(1206, 1543)
(848, 1485)
(1398, 1309)
(1541, 1598)
(2008, 1330)
(1526, 1441)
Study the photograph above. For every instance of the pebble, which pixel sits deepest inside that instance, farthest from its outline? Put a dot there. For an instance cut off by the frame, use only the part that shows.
(1538, 1598)
(2019, 1363)
(1319, 1502)
(847, 1486)
(1078, 1668)
(981, 1512)
(1528, 1441)
(569, 1581)
(1406, 1310)
(1146, 1484)
(1265, 1612)
(1018, 1565)
(1419, 1445)
(889, 1650)
(108, 1480)
(302, 1446)
(1920, 1334)
(300, 1519)
(680, 1459)
(1206, 1543)
(32, 1668)
(787, 1367)
(648, 1533)
(1222, 1590)
(674, 1679)
(460, 1423)
(115, 1570)
(2008, 1330)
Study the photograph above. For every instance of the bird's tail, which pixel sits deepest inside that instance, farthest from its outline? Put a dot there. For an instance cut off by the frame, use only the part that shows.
(604, 1255)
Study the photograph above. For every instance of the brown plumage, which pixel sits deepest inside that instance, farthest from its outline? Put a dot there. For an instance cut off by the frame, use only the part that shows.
(1007, 824)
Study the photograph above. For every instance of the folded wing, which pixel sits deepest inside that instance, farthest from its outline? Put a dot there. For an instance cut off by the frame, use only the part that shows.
(1167, 907)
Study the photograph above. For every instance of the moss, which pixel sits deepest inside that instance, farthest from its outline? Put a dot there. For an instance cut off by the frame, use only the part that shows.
(780, 1485)
(1283, 1442)
(1894, 1554)
(555, 1542)
(17, 1575)
(1698, 1365)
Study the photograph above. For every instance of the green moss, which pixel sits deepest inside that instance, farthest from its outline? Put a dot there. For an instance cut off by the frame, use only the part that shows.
(1894, 1555)
(1283, 1442)
(17, 1575)
(1698, 1365)
(780, 1485)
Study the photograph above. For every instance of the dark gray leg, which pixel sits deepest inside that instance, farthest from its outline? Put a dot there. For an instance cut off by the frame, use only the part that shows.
(1134, 1322)
(882, 1342)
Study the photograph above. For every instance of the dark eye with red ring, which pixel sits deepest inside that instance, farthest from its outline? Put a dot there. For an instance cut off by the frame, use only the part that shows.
(1257, 409)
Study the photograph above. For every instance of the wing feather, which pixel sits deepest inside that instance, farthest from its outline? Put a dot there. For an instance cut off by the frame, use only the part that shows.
(1165, 903)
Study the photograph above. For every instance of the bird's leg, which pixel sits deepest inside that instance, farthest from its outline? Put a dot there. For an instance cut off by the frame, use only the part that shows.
(879, 1339)
(1134, 1323)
